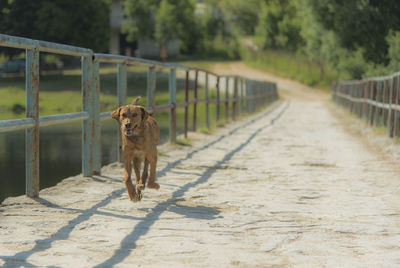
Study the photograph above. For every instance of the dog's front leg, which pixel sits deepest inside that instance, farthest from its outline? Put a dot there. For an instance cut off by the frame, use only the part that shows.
(136, 167)
(128, 181)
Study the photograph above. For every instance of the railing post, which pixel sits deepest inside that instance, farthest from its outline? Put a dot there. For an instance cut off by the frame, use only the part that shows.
(371, 107)
(235, 98)
(195, 100)
(207, 104)
(241, 95)
(151, 88)
(218, 98)
(172, 101)
(96, 118)
(226, 98)
(390, 119)
(397, 114)
(121, 92)
(186, 123)
(251, 95)
(88, 124)
(378, 110)
(32, 111)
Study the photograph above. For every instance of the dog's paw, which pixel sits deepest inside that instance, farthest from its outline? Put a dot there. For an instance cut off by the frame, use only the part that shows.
(140, 186)
(134, 198)
(154, 186)
(138, 197)
(139, 194)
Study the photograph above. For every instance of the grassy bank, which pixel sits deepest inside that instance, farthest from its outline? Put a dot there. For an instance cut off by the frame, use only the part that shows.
(291, 65)
(61, 93)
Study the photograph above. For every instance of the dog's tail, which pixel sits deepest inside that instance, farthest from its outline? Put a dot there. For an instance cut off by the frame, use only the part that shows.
(135, 101)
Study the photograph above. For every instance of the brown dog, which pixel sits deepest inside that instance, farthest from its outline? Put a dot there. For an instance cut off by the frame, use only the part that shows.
(140, 135)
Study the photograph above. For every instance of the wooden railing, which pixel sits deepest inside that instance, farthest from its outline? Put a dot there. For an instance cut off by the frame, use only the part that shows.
(244, 94)
(376, 100)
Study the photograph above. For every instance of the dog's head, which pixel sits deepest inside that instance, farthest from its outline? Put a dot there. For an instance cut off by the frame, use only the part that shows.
(131, 117)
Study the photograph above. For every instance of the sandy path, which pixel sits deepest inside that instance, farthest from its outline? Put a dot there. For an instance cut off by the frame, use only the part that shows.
(288, 187)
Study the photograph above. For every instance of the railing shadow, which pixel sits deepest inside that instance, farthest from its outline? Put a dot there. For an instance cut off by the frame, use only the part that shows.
(129, 242)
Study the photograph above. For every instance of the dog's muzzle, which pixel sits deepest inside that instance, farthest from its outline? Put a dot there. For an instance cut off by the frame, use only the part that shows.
(129, 131)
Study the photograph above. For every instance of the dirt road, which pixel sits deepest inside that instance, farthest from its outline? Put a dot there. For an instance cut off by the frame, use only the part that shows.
(289, 187)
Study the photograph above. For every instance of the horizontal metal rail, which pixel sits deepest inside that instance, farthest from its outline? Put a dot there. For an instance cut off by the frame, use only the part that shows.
(241, 95)
(376, 99)
(25, 43)
(378, 104)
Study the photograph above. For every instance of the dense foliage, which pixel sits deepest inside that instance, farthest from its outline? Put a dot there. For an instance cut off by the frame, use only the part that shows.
(73, 22)
(354, 38)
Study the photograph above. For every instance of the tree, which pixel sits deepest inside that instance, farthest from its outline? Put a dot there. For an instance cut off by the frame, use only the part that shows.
(140, 19)
(73, 22)
(166, 26)
(360, 23)
(278, 26)
(243, 15)
(162, 20)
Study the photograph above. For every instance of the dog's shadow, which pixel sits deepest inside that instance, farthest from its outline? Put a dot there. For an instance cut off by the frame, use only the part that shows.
(197, 212)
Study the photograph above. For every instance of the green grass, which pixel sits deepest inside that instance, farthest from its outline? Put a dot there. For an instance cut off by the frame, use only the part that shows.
(162, 153)
(204, 130)
(291, 65)
(184, 142)
(61, 93)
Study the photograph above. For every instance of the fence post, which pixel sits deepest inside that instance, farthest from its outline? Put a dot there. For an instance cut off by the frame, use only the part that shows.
(253, 103)
(359, 96)
(172, 101)
(378, 110)
(241, 95)
(249, 96)
(96, 118)
(218, 98)
(88, 124)
(195, 100)
(32, 111)
(187, 105)
(371, 96)
(151, 88)
(121, 92)
(226, 98)
(235, 98)
(390, 119)
(397, 113)
(207, 104)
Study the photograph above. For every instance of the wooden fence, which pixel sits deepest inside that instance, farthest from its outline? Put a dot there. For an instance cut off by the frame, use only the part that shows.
(243, 95)
(376, 100)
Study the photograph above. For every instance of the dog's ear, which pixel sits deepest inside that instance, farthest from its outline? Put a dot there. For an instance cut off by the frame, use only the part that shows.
(115, 113)
(145, 114)
(135, 101)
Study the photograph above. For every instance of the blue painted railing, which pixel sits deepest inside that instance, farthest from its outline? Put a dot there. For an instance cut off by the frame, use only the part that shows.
(252, 94)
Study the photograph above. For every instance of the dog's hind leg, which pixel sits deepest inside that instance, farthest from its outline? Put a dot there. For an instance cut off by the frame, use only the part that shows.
(142, 183)
(136, 167)
(152, 183)
(130, 188)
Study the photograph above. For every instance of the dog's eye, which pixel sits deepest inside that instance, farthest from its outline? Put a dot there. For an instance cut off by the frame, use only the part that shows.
(133, 115)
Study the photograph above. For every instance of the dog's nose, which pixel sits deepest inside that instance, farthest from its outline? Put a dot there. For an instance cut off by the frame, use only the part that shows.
(128, 125)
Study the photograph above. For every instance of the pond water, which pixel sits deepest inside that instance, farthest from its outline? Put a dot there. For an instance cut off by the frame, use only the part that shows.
(60, 155)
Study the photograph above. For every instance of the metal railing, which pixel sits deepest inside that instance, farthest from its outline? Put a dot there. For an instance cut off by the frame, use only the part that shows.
(248, 95)
(376, 100)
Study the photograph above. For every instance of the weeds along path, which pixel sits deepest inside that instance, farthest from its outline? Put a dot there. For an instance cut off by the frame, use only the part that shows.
(289, 186)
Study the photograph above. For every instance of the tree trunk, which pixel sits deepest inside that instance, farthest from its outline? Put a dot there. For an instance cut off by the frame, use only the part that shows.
(163, 52)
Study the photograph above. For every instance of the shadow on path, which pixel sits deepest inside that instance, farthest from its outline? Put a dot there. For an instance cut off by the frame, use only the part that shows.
(128, 243)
